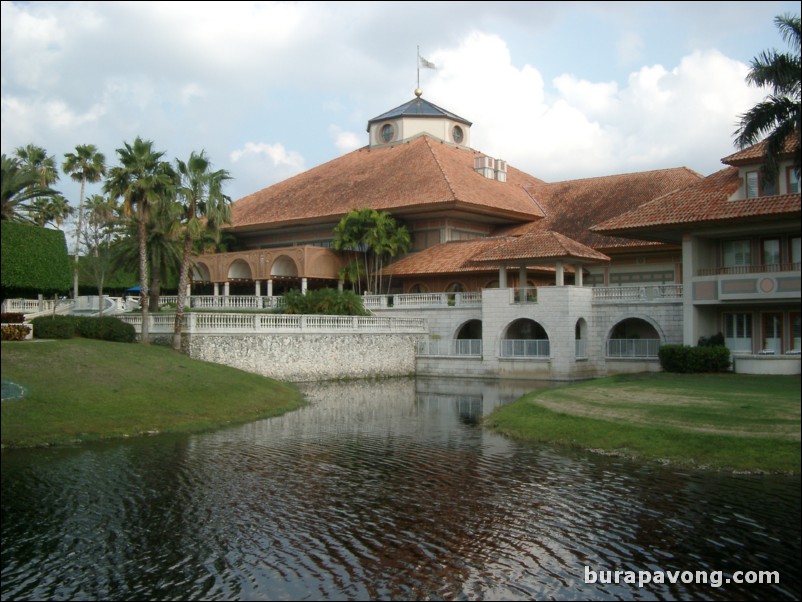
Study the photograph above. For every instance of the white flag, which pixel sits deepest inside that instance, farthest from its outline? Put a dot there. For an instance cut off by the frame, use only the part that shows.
(425, 64)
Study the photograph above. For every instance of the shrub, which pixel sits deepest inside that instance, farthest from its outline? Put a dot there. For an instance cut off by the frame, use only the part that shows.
(12, 318)
(53, 327)
(327, 301)
(15, 332)
(717, 340)
(685, 359)
(106, 328)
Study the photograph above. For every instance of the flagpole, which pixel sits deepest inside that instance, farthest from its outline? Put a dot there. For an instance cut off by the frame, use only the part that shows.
(417, 64)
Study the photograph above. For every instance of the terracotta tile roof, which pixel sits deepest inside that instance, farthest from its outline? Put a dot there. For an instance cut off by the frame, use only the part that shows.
(450, 258)
(754, 153)
(573, 206)
(536, 246)
(707, 201)
(416, 175)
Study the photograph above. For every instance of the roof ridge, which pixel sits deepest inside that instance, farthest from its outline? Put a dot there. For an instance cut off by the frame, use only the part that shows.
(428, 140)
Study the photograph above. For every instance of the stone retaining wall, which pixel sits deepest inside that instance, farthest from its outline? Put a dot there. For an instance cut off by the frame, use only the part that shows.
(309, 357)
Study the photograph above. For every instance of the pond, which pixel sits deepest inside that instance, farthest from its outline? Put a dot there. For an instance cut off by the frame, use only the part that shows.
(386, 490)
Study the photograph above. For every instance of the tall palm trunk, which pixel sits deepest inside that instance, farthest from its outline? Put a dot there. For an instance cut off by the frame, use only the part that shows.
(183, 281)
(78, 239)
(143, 276)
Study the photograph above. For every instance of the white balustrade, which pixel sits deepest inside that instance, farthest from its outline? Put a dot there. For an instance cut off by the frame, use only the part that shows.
(633, 348)
(638, 294)
(451, 347)
(525, 348)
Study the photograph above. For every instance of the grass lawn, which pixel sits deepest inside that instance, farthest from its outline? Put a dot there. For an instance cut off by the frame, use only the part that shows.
(722, 421)
(81, 389)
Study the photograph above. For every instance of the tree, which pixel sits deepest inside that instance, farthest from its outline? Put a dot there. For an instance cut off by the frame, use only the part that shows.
(86, 164)
(34, 158)
(777, 117)
(204, 209)
(143, 180)
(20, 187)
(50, 209)
(100, 229)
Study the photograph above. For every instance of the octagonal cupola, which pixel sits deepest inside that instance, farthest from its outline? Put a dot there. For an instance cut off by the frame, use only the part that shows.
(416, 117)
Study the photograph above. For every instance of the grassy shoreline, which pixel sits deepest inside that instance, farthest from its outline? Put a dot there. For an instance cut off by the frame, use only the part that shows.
(713, 421)
(84, 390)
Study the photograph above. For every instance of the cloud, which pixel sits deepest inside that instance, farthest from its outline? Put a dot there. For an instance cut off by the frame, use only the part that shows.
(345, 142)
(265, 163)
(577, 128)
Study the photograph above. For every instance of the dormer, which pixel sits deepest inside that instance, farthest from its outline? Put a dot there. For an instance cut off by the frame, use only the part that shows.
(416, 117)
(749, 162)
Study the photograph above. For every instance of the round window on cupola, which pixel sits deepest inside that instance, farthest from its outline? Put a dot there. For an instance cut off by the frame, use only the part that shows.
(456, 134)
(387, 132)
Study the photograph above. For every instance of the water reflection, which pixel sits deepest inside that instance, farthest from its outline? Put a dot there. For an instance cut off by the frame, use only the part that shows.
(379, 490)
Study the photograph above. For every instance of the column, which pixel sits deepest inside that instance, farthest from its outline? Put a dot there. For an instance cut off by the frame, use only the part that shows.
(258, 288)
(269, 287)
(522, 280)
(340, 285)
(502, 277)
(303, 286)
(226, 288)
(560, 274)
(578, 274)
(216, 289)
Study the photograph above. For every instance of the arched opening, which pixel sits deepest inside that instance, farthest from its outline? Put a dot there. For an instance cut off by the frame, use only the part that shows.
(525, 338)
(633, 337)
(580, 337)
(469, 338)
(418, 289)
(201, 280)
(455, 287)
(284, 266)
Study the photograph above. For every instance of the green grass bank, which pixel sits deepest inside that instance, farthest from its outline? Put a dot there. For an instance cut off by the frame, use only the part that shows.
(718, 421)
(82, 390)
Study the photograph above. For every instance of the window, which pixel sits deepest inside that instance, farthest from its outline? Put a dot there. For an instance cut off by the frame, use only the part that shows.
(737, 253)
(738, 332)
(757, 186)
(387, 132)
(752, 185)
(771, 252)
(795, 250)
(796, 342)
(793, 180)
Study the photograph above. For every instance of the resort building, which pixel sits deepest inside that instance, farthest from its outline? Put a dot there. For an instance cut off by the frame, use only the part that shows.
(525, 278)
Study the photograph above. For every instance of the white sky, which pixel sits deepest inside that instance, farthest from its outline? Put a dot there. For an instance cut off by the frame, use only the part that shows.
(561, 90)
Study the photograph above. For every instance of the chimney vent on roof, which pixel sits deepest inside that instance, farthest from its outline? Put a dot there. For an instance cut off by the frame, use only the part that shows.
(485, 166)
(501, 170)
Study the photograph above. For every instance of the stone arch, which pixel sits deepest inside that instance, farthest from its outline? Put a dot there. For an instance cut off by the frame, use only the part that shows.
(418, 288)
(455, 287)
(200, 273)
(525, 337)
(284, 265)
(239, 269)
(471, 329)
(581, 337)
(634, 337)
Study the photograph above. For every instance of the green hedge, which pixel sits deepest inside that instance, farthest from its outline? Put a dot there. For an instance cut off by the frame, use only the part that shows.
(683, 358)
(327, 301)
(34, 260)
(67, 327)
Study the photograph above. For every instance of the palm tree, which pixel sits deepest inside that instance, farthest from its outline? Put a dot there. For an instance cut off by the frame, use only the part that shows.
(86, 164)
(205, 208)
(34, 158)
(50, 209)
(20, 187)
(777, 117)
(143, 180)
(100, 229)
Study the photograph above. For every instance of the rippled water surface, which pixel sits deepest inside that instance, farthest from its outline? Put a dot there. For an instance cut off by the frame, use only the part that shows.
(380, 490)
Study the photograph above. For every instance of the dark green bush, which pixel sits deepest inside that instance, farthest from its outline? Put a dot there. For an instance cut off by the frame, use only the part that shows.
(326, 301)
(53, 327)
(12, 318)
(106, 328)
(717, 340)
(686, 359)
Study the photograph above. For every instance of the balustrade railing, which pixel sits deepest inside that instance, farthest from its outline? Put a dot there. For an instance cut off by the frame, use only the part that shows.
(451, 347)
(214, 322)
(634, 348)
(750, 269)
(638, 294)
(419, 300)
(525, 348)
